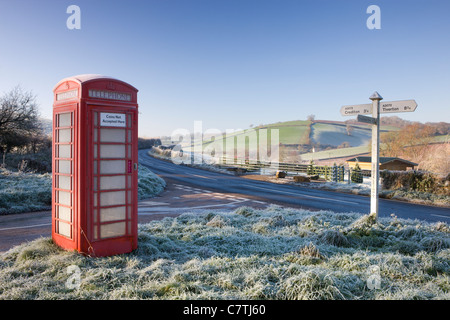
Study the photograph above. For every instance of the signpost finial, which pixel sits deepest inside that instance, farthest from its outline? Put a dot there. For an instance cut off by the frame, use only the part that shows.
(376, 96)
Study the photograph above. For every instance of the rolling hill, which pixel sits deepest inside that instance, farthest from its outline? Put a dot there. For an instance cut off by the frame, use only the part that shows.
(334, 134)
(299, 137)
(304, 140)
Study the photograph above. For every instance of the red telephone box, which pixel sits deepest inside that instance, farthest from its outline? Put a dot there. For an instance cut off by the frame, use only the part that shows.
(94, 190)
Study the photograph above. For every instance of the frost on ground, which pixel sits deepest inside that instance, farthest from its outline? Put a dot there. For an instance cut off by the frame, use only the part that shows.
(149, 184)
(274, 253)
(24, 192)
(28, 192)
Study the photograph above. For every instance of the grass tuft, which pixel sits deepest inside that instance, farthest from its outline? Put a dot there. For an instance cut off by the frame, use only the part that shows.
(273, 253)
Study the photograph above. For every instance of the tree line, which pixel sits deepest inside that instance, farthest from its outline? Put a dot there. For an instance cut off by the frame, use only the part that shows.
(21, 130)
(416, 142)
(24, 137)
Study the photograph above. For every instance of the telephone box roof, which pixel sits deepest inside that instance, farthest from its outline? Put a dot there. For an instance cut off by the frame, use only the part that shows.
(83, 78)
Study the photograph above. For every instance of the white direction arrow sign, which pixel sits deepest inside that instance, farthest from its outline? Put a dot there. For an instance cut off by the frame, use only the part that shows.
(385, 107)
(398, 106)
(355, 110)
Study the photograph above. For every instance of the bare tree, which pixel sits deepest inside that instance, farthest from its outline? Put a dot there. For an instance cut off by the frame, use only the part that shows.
(18, 119)
(344, 144)
(411, 142)
(349, 129)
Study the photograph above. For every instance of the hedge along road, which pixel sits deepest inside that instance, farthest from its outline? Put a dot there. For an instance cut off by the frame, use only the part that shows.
(286, 195)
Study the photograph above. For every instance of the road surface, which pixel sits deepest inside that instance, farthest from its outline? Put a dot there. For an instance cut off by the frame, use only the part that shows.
(195, 189)
(258, 192)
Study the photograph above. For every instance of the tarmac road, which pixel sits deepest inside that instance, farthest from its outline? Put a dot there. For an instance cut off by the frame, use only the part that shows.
(287, 195)
(196, 189)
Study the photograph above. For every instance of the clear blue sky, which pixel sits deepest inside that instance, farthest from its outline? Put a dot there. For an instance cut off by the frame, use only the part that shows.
(232, 63)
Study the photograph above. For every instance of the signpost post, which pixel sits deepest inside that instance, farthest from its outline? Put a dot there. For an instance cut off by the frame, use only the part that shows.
(375, 174)
(375, 109)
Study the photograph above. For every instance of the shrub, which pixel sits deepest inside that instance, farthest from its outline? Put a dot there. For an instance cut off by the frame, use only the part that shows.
(301, 179)
(356, 175)
(413, 181)
(310, 169)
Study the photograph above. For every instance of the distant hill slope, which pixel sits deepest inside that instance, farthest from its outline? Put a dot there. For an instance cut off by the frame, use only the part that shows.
(291, 132)
(324, 133)
(334, 134)
(305, 140)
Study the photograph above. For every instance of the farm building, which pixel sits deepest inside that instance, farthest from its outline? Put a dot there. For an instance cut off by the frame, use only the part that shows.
(386, 163)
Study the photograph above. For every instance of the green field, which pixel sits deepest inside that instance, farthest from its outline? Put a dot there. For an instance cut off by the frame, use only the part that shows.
(290, 133)
(336, 153)
(441, 139)
(289, 123)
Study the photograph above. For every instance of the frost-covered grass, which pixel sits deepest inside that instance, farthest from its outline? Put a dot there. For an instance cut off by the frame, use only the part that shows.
(24, 192)
(28, 192)
(332, 134)
(274, 253)
(149, 184)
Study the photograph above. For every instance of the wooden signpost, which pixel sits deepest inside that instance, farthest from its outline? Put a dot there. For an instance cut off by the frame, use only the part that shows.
(375, 108)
